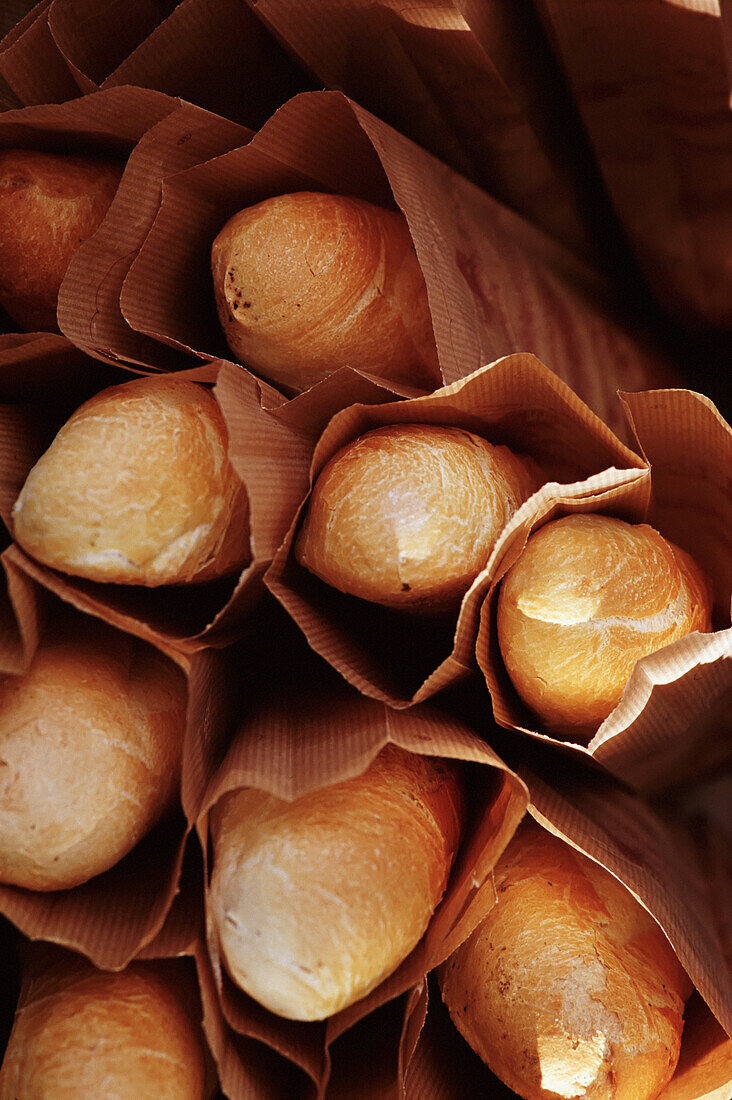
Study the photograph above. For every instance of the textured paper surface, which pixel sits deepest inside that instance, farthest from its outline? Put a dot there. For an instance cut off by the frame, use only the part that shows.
(314, 731)
(515, 401)
(495, 284)
(651, 85)
(31, 63)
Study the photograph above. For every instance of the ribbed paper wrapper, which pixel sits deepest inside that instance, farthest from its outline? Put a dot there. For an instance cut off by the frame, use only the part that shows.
(582, 804)
(89, 310)
(651, 85)
(495, 284)
(43, 380)
(673, 720)
(214, 53)
(113, 915)
(470, 83)
(31, 63)
(279, 451)
(297, 727)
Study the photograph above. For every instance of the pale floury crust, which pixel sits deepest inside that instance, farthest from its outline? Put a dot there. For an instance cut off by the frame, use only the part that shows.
(315, 902)
(568, 990)
(90, 741)
(124, 1036)
(49, 205)
(407, 515)
(588, 598)
(137, 488)
(308, 283)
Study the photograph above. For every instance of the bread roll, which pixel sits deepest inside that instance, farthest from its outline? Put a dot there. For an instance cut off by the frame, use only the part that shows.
(90, 743)
(49, 205)
(315, 902)
(407, 515)
(137, 488)
(589, 597)
(568, 989)
(306, 284)
(89, 1034)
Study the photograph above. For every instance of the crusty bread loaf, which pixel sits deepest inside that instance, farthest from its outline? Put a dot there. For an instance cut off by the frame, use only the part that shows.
(90, 742)
(49, 205)
(137, 488)
(407, 515)
(590, 596)
(89, 1035)
(308, 283)
(568, 990)
(315, 902)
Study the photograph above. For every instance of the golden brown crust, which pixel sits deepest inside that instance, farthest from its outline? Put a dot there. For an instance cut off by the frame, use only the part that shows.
(568, 990)
(49, 205)
(137, 488)
(317, 901)
(119, 1036)
(308, 283)
(407, 515)
(588, 598)
(90, 743)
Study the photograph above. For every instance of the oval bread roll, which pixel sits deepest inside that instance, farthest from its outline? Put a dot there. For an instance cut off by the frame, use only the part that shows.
(90, 1034)
(568, 990)
(314, 902)
(49, 205)
(589, 597)
(407, 515)
(137, 488)
(90, 743)
(307, 283)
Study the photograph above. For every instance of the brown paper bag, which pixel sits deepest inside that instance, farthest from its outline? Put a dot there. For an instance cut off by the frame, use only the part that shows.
(299, 728)
(465, 86)
(674, 719)
(43, 379)
(214, 53)
(279, 452)
(88, 310)
(31, 63)
(651, 86)
(585, 806)
(495, 284)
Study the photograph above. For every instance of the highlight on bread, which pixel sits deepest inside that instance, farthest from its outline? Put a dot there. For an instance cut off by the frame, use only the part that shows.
(86, 1033)
(308, 283)
(49, 205)
(568, 989)
(407, 515)
(315, 902)
(137, 488)
(90, 741)
(588, 598)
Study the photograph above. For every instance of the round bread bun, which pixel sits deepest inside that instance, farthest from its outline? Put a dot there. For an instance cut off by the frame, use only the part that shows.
(90, 742)
(137, 488)
(90, 1034)
(315, 902)
(407, 515)
(49, 205)
(568, 990)
(590, 596)
(307, 283)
